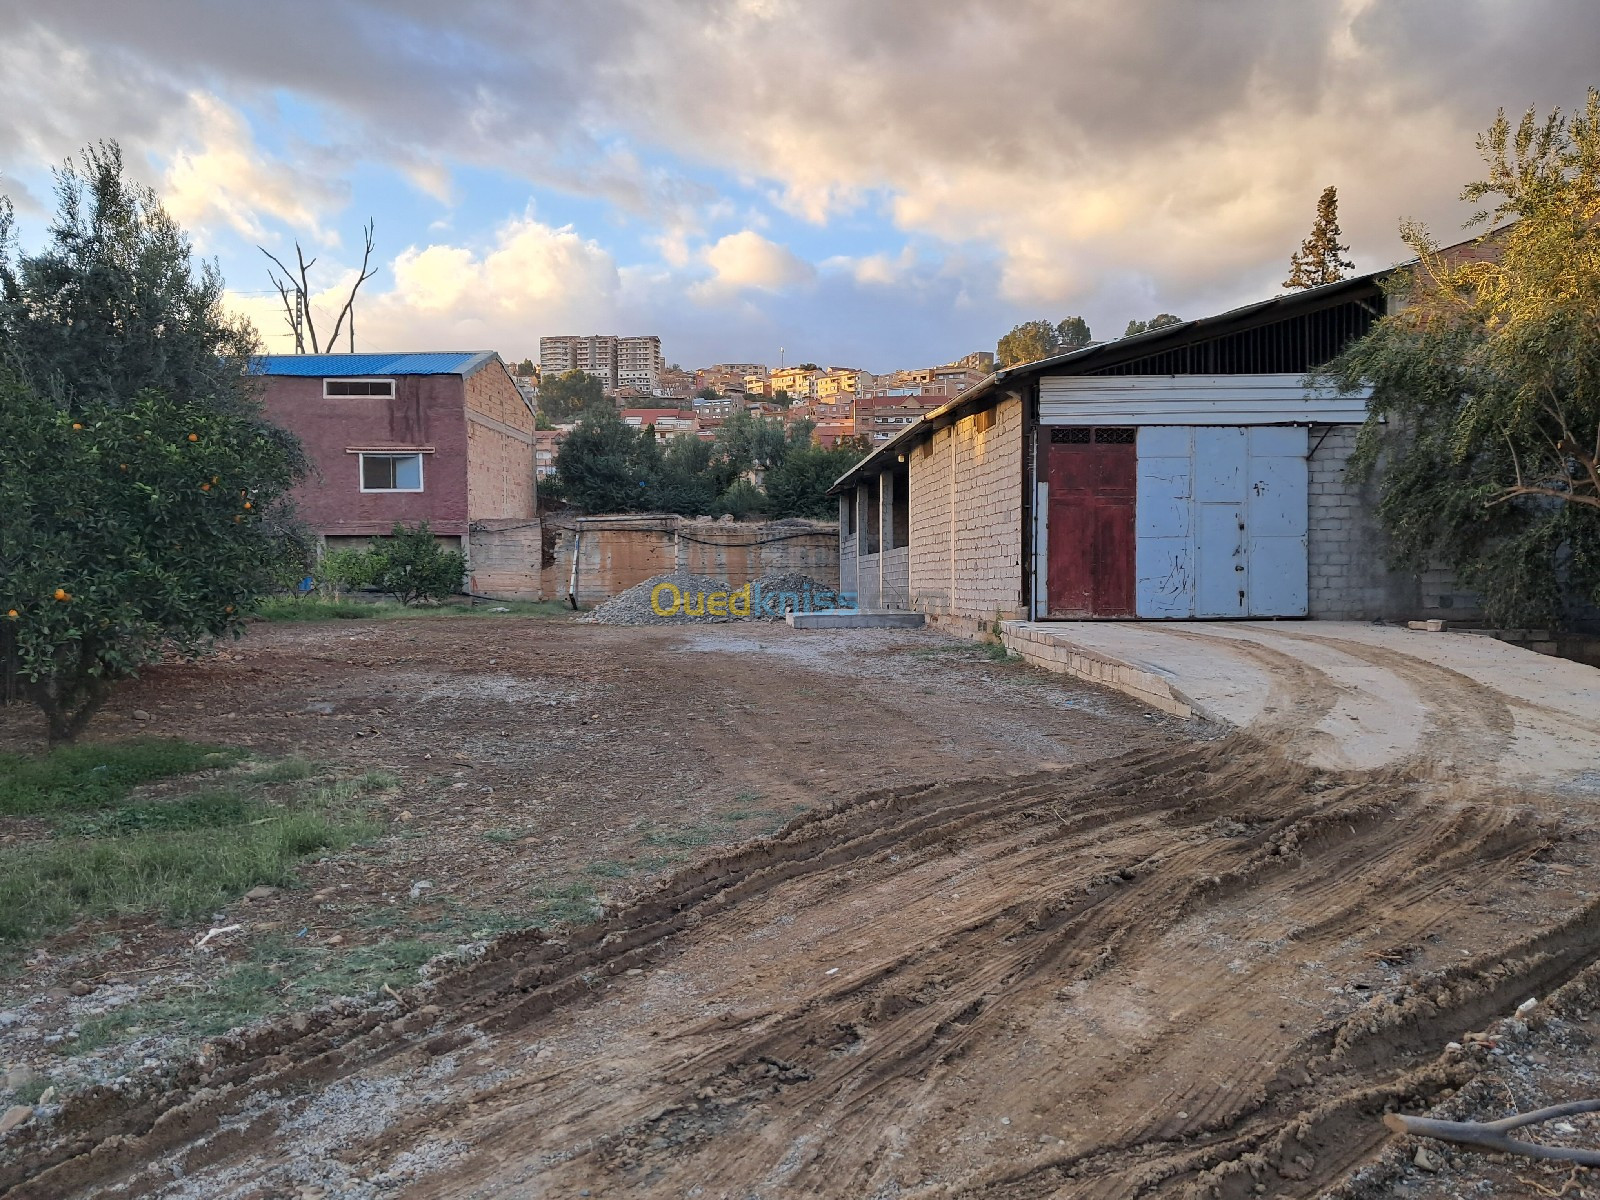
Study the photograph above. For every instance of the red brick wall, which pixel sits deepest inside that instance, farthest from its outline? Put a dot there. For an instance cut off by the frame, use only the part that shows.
(427, 411)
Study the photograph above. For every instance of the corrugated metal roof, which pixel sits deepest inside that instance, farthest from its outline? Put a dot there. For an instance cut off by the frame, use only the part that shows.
(442, 362)
(1078, 359)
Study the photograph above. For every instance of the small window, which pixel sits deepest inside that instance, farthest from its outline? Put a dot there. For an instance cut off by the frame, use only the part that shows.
(391, 472)
(332, 388)
(983, 421)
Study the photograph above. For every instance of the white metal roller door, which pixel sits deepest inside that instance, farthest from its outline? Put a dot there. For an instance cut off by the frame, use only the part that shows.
(1220, 528)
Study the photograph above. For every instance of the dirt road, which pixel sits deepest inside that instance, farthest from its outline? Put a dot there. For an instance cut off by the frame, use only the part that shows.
(1170, 974)
(1195, 969)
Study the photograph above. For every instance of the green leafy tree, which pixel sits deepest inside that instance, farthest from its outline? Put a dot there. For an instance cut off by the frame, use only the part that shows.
(749, 442)
(571, 395)
(1072, 333)
(1159, 321)
(126, 526)
(608, 466)
(708, 393)
(1320, 258)
(1485, 409)
(798, 486)
(782, 398)
(742, 499)
(525, 368)
(692, 476)
(143, 497)
(1034, 340)
(412, 566)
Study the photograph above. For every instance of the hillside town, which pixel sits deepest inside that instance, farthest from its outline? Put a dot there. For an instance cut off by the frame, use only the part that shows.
(1049, 651)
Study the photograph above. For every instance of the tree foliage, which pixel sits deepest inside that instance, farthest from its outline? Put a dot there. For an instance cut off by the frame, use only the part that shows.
(1159, 321)
(1320, 258)
(143, 497)
(570, 395)
(1485, 413)
(609, 466)
(412, 566)
(1033, 340)
(126, 525)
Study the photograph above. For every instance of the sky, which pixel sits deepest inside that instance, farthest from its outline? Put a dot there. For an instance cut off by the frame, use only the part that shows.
(872, 183)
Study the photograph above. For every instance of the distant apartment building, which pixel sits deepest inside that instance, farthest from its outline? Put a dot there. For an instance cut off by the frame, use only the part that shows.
(720, 407)
(668, 423)
(632, 362)
(798, 382)
(546, 449)
(728, 377)
(843, 381)
(882, 423)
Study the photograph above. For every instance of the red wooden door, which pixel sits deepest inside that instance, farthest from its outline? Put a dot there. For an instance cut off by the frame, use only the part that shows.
(1092, 475)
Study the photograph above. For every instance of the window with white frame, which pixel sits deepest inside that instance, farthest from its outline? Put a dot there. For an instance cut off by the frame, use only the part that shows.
(391, 472)
(338, 388)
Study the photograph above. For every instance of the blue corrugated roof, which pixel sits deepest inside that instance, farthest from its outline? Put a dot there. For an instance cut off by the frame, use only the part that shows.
(444, 362)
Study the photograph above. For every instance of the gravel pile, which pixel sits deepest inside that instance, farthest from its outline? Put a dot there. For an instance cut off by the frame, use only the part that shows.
(792, 591)
(771, 596)
(633, 606)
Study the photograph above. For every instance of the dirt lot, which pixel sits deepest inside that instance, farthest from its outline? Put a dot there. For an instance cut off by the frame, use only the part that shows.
(1005, 936)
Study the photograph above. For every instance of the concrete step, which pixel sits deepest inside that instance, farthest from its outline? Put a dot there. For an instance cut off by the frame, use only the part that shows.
(855, 619)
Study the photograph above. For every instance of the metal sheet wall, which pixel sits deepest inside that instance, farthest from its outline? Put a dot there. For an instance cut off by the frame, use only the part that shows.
(1220, 528)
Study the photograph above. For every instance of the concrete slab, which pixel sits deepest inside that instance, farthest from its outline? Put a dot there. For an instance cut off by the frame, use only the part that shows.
(855, 619)
(1346, 694)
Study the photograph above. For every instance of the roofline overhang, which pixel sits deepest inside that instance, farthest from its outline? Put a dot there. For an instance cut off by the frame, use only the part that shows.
(1107, 354)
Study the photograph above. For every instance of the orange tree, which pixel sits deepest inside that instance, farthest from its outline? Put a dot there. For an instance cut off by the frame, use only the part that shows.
(143, 497)
(126, 530)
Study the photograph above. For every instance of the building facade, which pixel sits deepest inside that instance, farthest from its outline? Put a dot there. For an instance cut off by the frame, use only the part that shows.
(1186, 473)
(445, 438)
(618, 362)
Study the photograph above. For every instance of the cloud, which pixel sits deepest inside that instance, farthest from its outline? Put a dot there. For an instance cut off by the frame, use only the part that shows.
(450, 297)
(745, 260)
(223, 177)
(1070, 155)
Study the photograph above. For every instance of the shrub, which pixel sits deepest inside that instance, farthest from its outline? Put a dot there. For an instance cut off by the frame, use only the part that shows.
(410, 565)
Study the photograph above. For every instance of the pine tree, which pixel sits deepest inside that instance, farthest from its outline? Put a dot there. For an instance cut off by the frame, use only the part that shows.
(1320, 258)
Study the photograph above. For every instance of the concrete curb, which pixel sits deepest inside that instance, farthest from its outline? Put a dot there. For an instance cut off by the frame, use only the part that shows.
(1038, 645)
(855, 619)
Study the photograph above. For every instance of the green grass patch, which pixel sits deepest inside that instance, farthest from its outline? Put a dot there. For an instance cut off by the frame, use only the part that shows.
(319, 608)
(86, 777)
(281, 975)
(566, 904)
(175, 858)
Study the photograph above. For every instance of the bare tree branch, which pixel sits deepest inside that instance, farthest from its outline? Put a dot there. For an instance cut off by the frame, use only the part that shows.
(349, 305)
(305, 294)
(1491, 1135)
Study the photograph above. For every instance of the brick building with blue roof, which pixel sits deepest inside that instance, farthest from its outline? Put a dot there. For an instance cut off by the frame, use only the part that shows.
(443, 437)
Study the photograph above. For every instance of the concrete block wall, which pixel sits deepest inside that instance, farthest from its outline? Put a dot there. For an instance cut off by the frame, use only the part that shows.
(869, 579)
(932, 467)
(617, 552)
(500, 478)
(980, 532)
(1346, 549)
(504, 559)
(847, 548)
(894, 590)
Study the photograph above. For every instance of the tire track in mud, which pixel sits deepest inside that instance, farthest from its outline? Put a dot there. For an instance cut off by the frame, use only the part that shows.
(1087, 952)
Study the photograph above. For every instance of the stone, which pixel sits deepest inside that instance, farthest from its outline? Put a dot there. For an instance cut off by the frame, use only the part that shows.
(139, 714)
(17, 1114)
(1426, 1159)
(81, 988)
(20, 1077)
(261, 892)
(321, 707)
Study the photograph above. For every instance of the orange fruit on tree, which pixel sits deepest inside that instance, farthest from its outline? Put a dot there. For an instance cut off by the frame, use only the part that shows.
(194, 437)
(77, 424)
(12, 614)
(63, 594)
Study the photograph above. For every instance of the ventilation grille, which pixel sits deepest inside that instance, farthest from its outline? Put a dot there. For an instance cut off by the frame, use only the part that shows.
(1070, 436)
